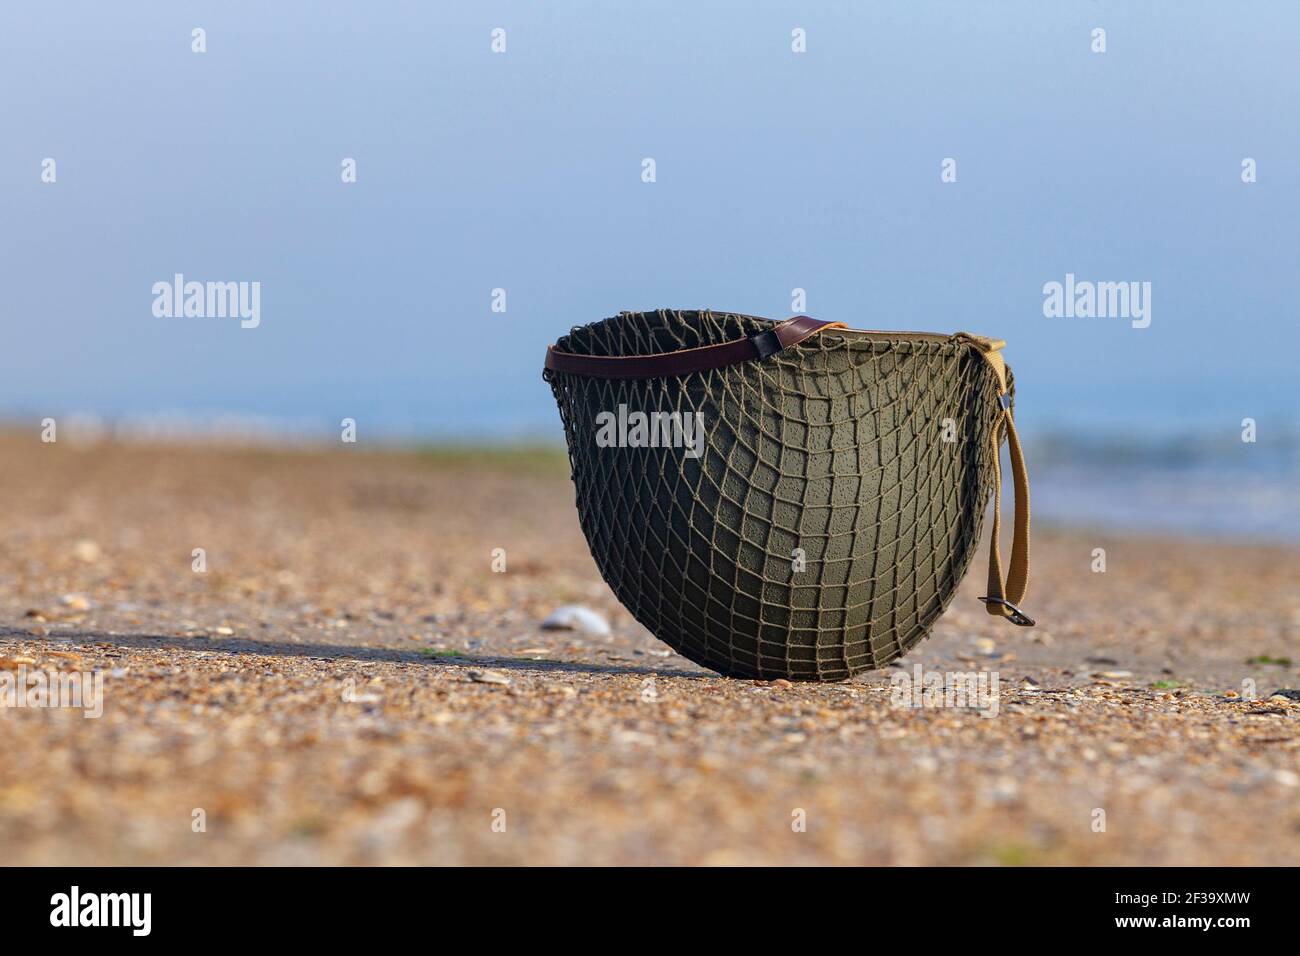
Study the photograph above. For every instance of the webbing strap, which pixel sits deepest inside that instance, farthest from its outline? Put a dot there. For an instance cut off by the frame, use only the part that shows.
(1004, 595)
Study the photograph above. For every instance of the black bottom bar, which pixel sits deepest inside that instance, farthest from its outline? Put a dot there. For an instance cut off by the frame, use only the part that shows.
(366, 907)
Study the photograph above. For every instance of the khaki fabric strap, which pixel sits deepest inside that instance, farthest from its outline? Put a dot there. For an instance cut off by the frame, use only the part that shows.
(1004, 595)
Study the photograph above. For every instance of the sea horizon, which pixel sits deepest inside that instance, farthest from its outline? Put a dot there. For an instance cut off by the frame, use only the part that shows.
(1178, 479)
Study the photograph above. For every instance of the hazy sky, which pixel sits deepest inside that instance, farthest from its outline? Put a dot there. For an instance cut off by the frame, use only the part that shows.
(522, 170)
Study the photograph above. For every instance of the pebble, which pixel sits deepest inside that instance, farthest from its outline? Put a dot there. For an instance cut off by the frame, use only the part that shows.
(1286, 692)
(87, 551)
(1003, 790)
(576, 617)
(76, 602)
(489, 677)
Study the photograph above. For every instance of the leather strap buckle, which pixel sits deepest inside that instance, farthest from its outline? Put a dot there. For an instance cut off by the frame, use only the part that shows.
(766, 344)
(1016, 616)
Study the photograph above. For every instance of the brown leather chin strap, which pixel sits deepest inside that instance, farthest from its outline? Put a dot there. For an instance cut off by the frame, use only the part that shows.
(1004, 596)
(783, 335)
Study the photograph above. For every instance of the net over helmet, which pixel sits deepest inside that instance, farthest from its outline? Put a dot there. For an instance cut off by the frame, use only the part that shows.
(788, 499)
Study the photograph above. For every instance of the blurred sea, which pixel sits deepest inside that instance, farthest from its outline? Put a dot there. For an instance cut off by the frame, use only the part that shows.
(1192, 482)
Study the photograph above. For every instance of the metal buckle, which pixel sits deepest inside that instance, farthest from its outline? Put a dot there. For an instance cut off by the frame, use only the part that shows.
(1016, 616)
(766, 344)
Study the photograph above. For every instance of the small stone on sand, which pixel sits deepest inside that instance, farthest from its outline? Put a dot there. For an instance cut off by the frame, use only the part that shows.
(575, 617)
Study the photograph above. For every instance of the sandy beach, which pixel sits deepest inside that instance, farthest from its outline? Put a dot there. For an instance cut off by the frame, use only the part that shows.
(350, 681)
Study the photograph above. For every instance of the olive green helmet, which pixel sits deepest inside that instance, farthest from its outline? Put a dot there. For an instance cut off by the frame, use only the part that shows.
(795, 499)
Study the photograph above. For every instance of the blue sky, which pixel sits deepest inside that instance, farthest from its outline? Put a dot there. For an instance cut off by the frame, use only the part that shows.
(521, 170)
